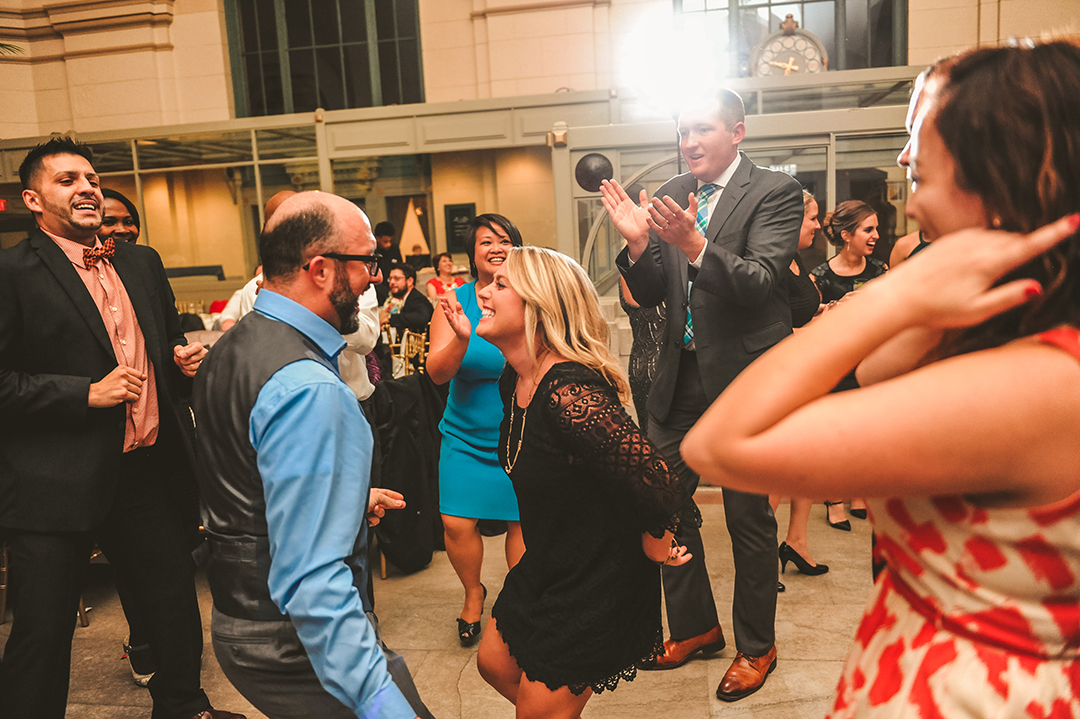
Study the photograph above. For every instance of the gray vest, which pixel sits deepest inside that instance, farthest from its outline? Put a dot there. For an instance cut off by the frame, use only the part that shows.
(231, 489)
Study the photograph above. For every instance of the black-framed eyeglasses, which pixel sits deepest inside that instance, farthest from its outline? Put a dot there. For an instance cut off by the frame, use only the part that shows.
(372, 261)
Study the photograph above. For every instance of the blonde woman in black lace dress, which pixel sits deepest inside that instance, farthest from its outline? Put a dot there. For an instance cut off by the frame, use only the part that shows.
(598, 504)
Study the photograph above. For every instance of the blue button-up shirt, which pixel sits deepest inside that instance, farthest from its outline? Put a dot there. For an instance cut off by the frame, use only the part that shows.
(314, 448)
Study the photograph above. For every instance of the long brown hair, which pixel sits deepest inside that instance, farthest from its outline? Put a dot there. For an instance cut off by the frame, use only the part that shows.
(1010, 117)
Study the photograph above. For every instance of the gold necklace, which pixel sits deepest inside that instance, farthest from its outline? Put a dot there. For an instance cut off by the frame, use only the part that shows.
(524, 416)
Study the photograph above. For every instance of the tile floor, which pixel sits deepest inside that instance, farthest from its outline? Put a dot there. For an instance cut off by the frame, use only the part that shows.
(816, 619)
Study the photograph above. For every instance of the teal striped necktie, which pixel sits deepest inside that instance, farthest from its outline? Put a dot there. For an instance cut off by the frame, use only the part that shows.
(704, 192)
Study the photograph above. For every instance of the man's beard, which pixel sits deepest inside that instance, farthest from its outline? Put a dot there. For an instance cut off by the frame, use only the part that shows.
(344, 302)
(398, 294)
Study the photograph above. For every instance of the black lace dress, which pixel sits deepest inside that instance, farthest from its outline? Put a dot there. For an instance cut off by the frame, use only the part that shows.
(647, 327)
(582, 607)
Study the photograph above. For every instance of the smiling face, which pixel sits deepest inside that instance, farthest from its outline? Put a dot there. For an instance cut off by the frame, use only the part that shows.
(398, 283)
(810, 225)
(937, 202)
(502, 320)
(861, 241)
(707, 145)
(66, 197)
(446, 266)
(489, 252)
(117, 223)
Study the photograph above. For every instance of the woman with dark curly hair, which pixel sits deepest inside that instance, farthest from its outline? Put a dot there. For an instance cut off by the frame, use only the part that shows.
(970, 453)
(472, 485)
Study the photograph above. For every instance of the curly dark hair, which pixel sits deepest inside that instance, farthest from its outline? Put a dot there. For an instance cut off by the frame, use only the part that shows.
(1010, 117)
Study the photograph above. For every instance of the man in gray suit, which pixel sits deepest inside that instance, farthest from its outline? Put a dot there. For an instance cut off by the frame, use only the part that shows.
(714, 244)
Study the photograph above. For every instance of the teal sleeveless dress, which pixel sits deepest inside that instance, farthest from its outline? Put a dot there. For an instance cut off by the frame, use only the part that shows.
(472, 483)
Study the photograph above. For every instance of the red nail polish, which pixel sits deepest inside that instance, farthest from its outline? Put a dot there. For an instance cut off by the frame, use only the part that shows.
(1074, 221)
(1032, 291)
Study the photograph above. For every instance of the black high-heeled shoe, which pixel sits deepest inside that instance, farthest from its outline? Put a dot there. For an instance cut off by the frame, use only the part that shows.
(787, 554)
(469, 632)
(859, 512)
(844, 525)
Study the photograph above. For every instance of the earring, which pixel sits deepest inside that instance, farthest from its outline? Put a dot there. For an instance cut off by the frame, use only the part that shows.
(995, 222)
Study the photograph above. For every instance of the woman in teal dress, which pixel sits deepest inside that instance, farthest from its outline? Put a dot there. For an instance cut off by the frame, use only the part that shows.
(472, 483)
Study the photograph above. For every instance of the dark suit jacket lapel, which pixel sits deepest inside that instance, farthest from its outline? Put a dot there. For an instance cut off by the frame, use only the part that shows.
(134, 280)
(729, 198)
(58, 263)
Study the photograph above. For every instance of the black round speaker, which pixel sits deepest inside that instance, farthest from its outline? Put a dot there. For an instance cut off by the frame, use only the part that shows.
(593, 169)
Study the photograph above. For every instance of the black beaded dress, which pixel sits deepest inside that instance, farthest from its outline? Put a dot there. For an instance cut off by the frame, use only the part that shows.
(582, 607)
(834, 286)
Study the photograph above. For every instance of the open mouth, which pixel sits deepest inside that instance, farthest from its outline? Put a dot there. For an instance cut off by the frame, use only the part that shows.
(496, 260)
(486, 314)
(86, 206)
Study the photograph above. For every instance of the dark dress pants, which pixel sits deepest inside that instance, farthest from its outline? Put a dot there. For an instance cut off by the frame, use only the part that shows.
(149, 548)
(691, 609)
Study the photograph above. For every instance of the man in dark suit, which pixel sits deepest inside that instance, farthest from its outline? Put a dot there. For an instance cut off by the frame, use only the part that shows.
(406, 309)
(713, 244)
(92, 441)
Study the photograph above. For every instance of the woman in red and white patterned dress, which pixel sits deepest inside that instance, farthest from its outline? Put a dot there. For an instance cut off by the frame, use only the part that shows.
(972, 446)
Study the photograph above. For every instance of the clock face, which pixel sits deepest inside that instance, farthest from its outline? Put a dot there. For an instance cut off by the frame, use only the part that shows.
(782, 54)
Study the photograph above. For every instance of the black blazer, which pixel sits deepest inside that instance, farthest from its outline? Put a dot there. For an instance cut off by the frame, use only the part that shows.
(58, 456)
(739, 302)
(415, 314)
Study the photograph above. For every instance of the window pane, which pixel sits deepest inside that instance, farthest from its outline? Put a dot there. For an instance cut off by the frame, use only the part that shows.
(286, 142)
(388, 73)
(357, 76)
(406, 18)
(855, 44)
(325, 19)
(112, 157)
(253, 72)
(275, 96)
(200, 149)
(249, 31)
(821, 20)
(881, 33)
(716, 5)
(353, 21)
(384, 19)
(410, 71)
(331, 91)
(267, 27)
(693, 5)
(298, 23)
(304, 88)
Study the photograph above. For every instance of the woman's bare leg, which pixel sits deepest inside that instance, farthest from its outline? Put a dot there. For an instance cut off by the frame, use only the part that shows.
(465, 548)
(796, 528)
(536, 701)
(515, 544)
(496, 666)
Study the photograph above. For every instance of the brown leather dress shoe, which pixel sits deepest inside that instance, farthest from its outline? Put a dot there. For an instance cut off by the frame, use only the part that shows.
(677, 653)
(218, 714)
(746, 675)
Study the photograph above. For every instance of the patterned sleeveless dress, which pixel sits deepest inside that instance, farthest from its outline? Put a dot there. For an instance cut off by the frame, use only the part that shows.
(978, 613)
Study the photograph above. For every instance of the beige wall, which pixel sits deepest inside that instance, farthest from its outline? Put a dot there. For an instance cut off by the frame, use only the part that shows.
(517, 183)
(111, 65)
(191, 219)
(940, 27)
(502, 48)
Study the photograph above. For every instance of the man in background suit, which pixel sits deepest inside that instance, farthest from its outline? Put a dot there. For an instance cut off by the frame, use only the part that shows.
(713, 244)
(406, 309)
(92, 441)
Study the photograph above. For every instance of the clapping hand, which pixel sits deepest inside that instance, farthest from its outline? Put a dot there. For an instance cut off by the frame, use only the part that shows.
(630, 219)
